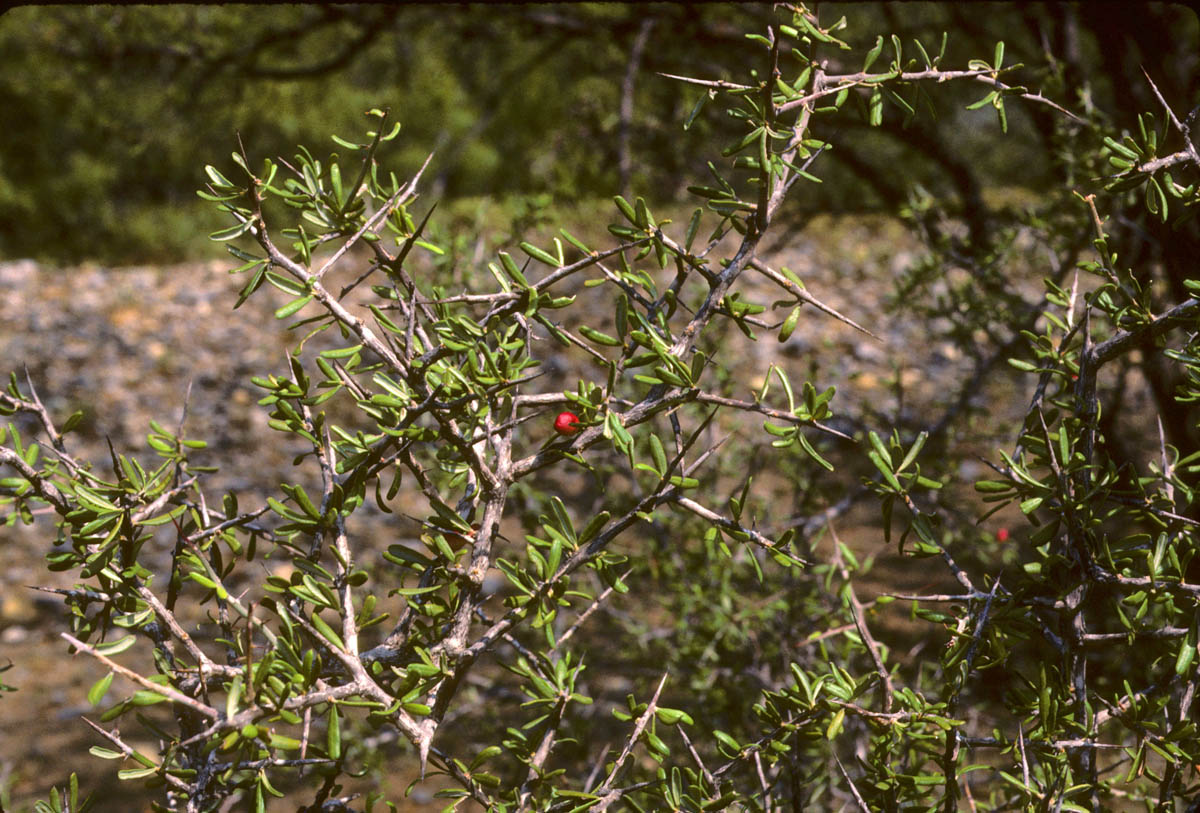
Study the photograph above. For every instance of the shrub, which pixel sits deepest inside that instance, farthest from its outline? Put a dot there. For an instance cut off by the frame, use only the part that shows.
(739, 668)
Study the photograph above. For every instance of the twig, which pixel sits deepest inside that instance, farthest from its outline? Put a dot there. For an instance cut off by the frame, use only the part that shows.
(133, 754)
(1183, 129)
(862, 805)
(860, 622)
(711, 516)
(583, 616)
(719, 84)
(712, 780)
(779, 415)
(605, 792)
(374, 219)
(44, 488)
(168, 692)
(804, 296)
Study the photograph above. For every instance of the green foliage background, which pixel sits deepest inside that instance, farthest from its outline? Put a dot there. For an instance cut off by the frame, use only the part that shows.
(108, 110)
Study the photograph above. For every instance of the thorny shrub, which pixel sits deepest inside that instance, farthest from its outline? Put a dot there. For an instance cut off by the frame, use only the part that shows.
(742, 671)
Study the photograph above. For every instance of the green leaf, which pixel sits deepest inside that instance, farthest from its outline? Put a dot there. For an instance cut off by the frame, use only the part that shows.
(105, 753)
(659, 454)
(985, 100)
(302, 499)
(99, 689)
(333, 734)
(326, 631)
(873, 54)
(1121, 149)
(1187, 650)
(875, 108)
(215, 175)
(598, 337)
(885, 469)
(693, 227)
(877, 444)
(510, 268)
(540, 255)
(232, 232)
(812, 452)
(913, 452)
(626, 209)
(72, 421)
(789, 324)
(704, 98)
(575, 241)
(673, 716)
(234, 696)
(293, 306)
(115, 648)
(284, 743)
(728, 741)
(835, 725)
(595, 524)
(1030, 505)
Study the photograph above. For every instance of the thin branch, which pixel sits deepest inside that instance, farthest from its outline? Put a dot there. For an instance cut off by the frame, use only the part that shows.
(115, 738)
(44, 488)
(753, 535)
(779, 415)
(1183, 129)
(583, 616)
(172, 694)
(607, 797)
(860, 622)
(862, 79)
(804, 296)
(862, 805)
(385, 210)
(719, 84)
(1126, 340)
(624, 163)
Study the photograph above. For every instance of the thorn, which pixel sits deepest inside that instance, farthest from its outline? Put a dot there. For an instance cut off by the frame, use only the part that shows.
(424, 741)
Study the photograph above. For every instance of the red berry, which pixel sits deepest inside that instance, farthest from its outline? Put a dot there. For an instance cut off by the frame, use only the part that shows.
(567, 423)
(1002, 535)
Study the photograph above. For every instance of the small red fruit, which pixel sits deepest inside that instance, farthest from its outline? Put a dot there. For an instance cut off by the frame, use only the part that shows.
(567, 423)
(1002, 535)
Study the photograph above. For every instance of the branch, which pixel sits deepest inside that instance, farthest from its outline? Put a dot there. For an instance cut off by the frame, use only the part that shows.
(731, 526)
(860, 622)
(44, 488)
(779, 415)
(605, 792)
(385, 210)
(1183, 129)
(115, 738)
(1127, 339)
(719, 84)
(862, 804)
(172, 694)
(984, 75)
(804, 296)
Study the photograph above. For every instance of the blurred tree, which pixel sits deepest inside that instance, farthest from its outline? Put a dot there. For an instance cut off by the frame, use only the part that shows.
(108, 104)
